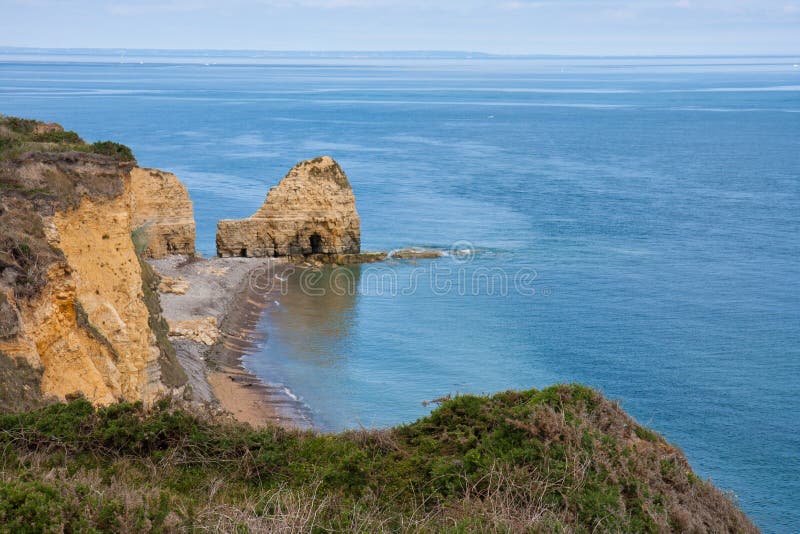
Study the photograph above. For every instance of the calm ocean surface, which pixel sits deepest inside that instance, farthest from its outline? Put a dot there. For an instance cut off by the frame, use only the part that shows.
(645, 214)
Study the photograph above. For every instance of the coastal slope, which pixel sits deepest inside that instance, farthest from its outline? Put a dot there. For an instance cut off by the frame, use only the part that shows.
(562, 459)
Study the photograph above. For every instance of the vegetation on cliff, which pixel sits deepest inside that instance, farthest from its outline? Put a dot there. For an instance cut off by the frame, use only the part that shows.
(18, 136)
(172, 374)
(562, 459)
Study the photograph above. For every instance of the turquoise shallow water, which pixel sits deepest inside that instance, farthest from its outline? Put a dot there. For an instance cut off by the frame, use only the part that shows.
(656, 201)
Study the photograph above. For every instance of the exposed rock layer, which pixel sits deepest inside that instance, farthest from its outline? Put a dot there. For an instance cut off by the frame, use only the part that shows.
(311, 211)
(75, 300)
(162, 218)
(202, 330)
(96, 241)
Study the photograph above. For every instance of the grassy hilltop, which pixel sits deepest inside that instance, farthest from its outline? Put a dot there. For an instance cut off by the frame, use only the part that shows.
(563, 459)
(18, 136)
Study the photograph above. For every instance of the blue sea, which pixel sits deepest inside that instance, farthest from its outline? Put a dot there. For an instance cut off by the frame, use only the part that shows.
(628, 223)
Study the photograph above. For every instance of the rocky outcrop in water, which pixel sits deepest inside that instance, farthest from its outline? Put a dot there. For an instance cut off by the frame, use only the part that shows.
(162, 218)
(311, 211)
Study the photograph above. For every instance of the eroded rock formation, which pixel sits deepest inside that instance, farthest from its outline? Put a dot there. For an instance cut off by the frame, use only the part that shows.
(162, 218)
(76, 302)
(204, 330)
(311, 211)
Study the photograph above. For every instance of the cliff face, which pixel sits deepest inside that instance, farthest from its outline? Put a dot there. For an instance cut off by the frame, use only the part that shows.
(77, 302)
(162, 218)
(311, 211)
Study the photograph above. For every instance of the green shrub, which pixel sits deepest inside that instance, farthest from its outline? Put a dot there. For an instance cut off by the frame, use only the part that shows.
(58, 136)
(646, 434)
(30, 507)
(7, 144)
(20, 136)
(115, 150)
(18, 125)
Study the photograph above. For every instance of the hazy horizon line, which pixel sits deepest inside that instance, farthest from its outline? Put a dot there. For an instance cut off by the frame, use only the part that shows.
(402, 53)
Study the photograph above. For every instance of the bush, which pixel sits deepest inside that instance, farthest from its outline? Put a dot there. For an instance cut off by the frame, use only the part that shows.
(30, 507)
(20, 135)
(18, 125)
(7, 143)
(115, 150)
(58, 136)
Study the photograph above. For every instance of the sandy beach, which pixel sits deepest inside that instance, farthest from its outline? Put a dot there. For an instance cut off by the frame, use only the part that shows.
(213, 307)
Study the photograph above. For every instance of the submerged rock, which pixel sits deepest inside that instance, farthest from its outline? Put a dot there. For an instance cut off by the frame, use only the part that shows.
(333, 260)
(413, 253)
(311, 211)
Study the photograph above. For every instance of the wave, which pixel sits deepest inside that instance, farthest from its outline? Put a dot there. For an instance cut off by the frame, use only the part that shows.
(733, 110)
(490, 103)
(765, 89)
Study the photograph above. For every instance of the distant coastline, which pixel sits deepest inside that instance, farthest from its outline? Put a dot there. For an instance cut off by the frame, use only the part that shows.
(255, 56)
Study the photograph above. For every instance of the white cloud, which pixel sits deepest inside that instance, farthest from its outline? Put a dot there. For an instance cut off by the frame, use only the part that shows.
(163, 6)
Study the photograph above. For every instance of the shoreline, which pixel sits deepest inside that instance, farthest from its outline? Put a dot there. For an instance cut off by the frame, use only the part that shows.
(240, 391)
(216, 309)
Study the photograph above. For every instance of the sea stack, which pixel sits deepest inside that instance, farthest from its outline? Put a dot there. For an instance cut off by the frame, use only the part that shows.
(311, 211)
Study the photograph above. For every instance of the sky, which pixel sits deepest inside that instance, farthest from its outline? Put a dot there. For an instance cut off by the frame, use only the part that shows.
(579, 27)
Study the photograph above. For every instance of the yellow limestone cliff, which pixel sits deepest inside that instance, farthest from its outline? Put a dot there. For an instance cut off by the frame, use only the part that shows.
(76, 302)
(96, 241)
(162, 215)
